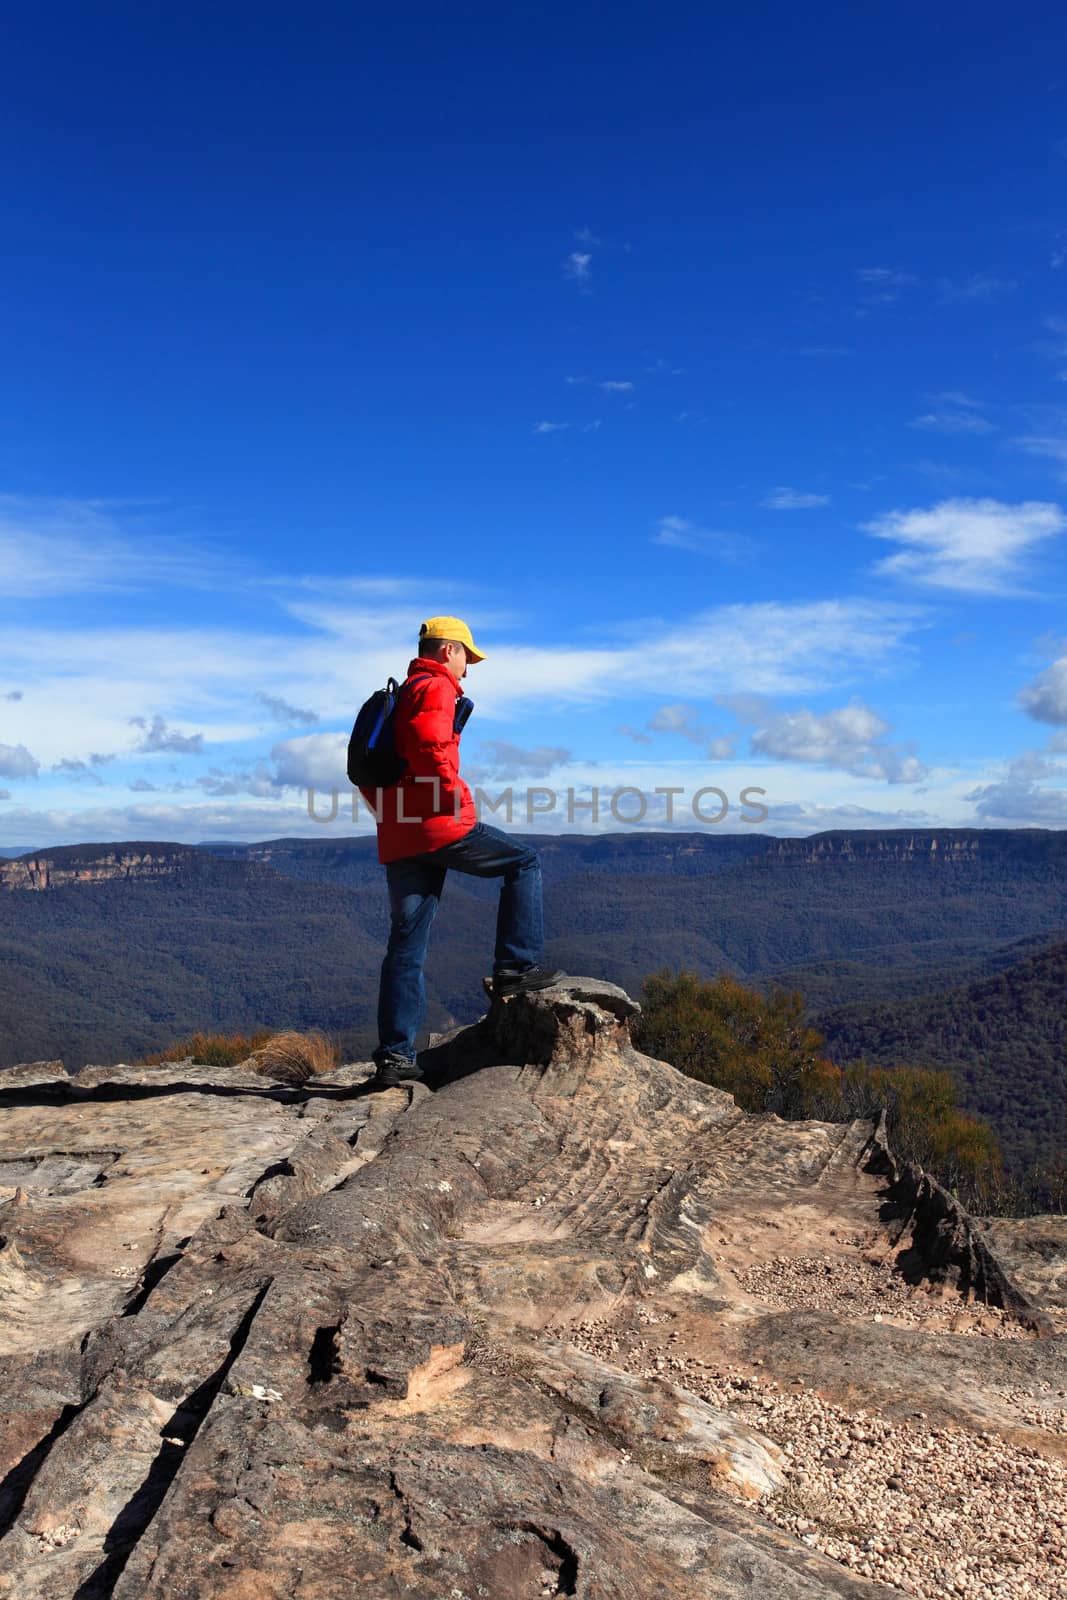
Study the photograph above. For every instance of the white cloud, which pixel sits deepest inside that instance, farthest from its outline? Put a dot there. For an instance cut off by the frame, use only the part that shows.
(801, 817)
(786, 499)
(1036, 764)
(1018, 802)
(53, 547)
(550, 427)
(851, 738)
(633, 733)
(576, 267)
(947, 420)
(971, 546)
(1045, 699)
(318, 759)
(178, 821)
(17, 762)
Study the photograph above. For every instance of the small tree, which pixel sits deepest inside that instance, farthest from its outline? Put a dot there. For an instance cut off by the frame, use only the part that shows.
(759, 1049)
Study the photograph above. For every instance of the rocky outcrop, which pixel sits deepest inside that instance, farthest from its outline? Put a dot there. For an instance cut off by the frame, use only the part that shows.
(555, 1321)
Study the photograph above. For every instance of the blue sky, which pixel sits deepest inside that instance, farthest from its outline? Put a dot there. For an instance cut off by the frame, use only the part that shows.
(711, 361)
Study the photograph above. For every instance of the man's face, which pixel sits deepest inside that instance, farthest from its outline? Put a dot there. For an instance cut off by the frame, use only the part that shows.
(455, 659)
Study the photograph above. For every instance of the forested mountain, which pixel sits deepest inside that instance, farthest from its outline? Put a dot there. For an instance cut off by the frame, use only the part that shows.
(1004, 1039)
(108, 951)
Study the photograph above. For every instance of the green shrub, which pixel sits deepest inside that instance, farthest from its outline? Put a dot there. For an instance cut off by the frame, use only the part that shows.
(758, 1049)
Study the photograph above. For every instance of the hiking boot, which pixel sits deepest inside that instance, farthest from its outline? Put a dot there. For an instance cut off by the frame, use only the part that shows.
(509, 982)
(393, 1069)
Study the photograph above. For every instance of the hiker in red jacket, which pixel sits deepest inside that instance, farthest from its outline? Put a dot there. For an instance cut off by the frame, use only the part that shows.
(426, 824)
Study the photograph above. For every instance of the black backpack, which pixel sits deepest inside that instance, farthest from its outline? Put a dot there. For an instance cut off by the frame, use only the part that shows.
(372, 759)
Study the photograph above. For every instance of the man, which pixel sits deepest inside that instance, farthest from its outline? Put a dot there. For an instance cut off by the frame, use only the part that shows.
(426, 824)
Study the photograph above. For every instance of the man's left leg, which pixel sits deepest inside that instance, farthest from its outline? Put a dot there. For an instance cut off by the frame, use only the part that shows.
(414, 895)
(488, 852)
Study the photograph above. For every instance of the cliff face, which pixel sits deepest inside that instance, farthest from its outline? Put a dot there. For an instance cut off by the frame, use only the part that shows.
(57, 869)
(556, 1321)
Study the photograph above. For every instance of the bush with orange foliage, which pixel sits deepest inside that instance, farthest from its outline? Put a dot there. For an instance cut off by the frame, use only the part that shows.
(210, 1049)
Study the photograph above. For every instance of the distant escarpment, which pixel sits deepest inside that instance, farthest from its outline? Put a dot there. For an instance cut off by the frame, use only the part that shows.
(555, 1321)
(67, 865)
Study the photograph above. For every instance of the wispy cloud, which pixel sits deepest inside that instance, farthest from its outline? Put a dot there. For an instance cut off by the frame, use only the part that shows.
(1050, 446)
(52, 547)
(684, 720)
(281, 711)
(608, 385)
(633, 733)
(503, 761)
(577, 267)
(882, 286)
(679, 533)
(258, 781)
(971, 546)
(13, 694)
(786, 499)
(979, 289)
(957, 420)
(886, 278)
(159, 737)
(574, 427)
(1045, 699)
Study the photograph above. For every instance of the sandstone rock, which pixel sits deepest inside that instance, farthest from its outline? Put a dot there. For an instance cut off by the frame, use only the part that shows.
(501, 1333)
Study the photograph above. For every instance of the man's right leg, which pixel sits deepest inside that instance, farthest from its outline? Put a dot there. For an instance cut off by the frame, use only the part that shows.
(414, 894)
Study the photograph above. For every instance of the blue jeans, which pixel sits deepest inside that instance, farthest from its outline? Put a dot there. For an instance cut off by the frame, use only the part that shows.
(415, 884)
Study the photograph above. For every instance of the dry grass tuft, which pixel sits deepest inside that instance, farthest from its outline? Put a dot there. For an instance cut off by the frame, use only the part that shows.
(292, 1057)
(210, 1049)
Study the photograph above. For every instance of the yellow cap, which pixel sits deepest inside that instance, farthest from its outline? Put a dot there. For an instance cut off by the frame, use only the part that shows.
(451, 628)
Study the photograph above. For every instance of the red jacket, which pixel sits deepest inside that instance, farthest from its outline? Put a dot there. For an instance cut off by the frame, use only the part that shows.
(413, 815)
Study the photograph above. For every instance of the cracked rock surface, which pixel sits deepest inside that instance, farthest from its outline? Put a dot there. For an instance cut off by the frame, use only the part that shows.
(555, 1321)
